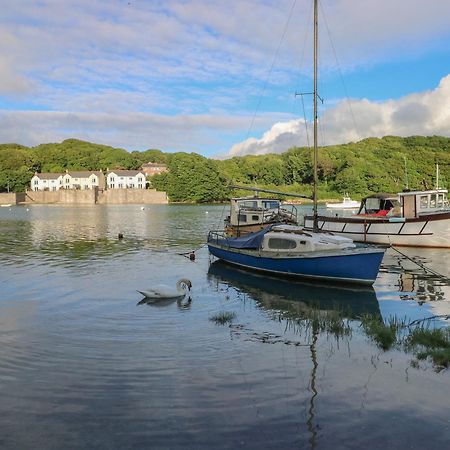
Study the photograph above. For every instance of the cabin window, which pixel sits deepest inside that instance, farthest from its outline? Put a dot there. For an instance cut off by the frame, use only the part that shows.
(271, 204)
(249, 204)
(440, 201)
(282, 244)
(255, 217)
(423, 201)
(242, 218)
(433, 201)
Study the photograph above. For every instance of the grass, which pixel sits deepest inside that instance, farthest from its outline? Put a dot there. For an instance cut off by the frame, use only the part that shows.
(384, 335)
(223, 317)
(422, 340)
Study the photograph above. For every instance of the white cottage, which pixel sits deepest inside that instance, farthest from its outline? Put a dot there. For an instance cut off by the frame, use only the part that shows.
(125, 179)
(83, 180)
(46, 181)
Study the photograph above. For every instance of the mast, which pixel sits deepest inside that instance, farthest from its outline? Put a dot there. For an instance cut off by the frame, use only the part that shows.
(316, 38)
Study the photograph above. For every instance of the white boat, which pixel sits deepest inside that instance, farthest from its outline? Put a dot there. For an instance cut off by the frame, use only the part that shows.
(412, 219)
(295, 252)
(253, 213)
(347, 203)
(6, 205)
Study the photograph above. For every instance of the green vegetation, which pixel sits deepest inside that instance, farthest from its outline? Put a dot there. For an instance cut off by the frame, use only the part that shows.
(223, 317)
(371, 165)
(421, 339)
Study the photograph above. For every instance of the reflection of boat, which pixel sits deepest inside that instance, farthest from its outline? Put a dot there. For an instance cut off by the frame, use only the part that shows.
(347, 203)
(415, 219)
(275, 294)
(6, 205)
(290, 250)
(249, 214)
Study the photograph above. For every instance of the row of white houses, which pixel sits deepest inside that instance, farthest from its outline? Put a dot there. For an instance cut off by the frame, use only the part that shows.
(114, 179)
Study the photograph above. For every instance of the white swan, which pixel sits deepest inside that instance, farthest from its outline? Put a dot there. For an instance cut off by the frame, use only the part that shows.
(162, 291)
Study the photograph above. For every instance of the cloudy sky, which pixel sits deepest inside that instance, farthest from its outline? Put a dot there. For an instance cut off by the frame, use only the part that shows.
(220, 77)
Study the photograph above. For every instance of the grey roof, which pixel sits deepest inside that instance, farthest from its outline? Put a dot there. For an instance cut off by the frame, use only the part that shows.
(83, 174)
(126, 173)
(48, 176)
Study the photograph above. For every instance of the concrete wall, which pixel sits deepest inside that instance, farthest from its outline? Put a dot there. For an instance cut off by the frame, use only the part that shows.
(133, 196)
(12, 198)
(69, 197)
(91, 197)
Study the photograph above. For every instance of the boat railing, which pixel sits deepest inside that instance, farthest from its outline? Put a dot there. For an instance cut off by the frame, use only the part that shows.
(214, 236)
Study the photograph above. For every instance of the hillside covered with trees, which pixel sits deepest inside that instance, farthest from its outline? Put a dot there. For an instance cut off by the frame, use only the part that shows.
(370, 165)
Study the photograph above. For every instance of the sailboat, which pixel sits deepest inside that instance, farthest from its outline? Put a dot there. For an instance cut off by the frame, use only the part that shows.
(293, 251)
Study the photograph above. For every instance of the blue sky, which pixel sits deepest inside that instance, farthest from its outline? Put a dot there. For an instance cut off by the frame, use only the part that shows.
(219, 78)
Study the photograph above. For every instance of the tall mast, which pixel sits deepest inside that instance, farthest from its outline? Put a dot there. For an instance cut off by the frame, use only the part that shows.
(316, 39)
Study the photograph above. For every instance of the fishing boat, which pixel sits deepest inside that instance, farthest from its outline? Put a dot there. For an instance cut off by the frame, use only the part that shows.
(293, 251)
(410, 218)
(347, 203)
(253, 213)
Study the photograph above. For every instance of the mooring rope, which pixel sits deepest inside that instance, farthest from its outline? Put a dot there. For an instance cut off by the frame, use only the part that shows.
(422, 266)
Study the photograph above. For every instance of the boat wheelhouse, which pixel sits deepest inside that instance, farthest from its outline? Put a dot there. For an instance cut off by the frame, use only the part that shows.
(250, 214)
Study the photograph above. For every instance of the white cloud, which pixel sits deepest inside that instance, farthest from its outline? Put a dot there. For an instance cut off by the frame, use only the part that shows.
(132, 131)
(425, 113)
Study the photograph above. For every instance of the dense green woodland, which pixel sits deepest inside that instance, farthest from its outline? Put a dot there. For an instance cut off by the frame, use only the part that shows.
(371, 165)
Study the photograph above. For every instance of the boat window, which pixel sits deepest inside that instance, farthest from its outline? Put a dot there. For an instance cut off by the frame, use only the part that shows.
(372, 204)
(280, 243)
(255, 217)
(249, 204)
(433, 201)
(242, 218)
(271, 204)
(440, 201)
(423, 201)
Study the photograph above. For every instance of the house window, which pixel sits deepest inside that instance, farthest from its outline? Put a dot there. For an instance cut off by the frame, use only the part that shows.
(36, 182)
(131, 185)
(140, 185)
(111, 186)
(112, 179)
(120, 185)
(67, 181)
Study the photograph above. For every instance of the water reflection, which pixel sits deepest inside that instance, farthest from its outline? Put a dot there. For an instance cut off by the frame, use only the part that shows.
(182, 303)
(291, 296)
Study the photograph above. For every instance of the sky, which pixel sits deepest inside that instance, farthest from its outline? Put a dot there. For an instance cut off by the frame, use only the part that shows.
(220, 78)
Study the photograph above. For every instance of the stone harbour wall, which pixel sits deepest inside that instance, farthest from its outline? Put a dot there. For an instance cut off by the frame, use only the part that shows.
(95, 196)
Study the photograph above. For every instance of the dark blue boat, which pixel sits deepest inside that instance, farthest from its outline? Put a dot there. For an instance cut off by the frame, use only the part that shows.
(295, 252)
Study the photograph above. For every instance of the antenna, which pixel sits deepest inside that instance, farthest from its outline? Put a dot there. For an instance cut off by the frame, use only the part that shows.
(437, 176)
(406, 174)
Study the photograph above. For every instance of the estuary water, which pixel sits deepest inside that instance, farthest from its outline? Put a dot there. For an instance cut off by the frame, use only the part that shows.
(84, 364)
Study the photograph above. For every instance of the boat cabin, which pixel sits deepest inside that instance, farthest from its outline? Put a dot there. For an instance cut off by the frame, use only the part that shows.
(255, 210)
(408, 204)
(378, 204)
(419, 203)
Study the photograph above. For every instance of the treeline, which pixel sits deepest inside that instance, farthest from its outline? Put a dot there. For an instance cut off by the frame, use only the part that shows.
(371, 165)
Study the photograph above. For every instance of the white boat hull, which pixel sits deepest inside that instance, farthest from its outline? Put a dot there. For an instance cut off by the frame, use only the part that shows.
(425, 231)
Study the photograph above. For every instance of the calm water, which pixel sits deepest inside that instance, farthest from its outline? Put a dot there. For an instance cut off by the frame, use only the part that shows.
(84, 365)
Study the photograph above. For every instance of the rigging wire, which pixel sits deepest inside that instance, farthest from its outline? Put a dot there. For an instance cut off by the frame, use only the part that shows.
(277, 51)
(339, 69)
